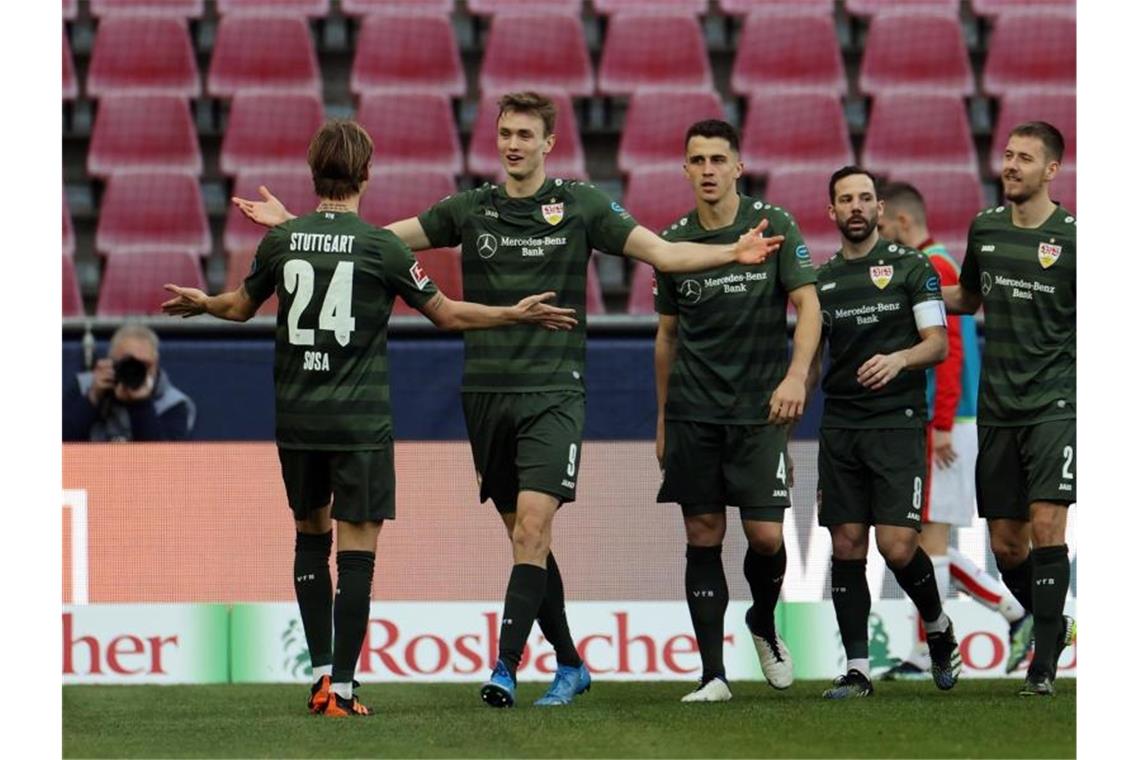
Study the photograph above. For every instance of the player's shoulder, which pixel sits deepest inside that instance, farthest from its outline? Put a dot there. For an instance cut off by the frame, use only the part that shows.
(994, 217)
(1064, 221)
(680, 229)
(827, 269)
(779, 218)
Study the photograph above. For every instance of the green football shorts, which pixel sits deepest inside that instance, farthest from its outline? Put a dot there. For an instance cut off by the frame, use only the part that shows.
(873, 477)
(361, 484)
(1020, 465)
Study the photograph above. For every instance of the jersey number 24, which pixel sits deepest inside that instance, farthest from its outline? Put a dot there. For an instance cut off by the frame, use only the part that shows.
(336, 308)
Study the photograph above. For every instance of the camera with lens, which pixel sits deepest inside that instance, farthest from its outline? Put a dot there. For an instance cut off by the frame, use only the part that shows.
(130, 373)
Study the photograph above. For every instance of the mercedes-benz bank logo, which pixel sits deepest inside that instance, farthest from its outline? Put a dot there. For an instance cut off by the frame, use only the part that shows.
(486, 245)
(826, 317)
(987, 283)
(690, 291)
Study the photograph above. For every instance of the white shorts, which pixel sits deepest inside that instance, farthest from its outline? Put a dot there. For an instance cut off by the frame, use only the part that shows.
(951, 497)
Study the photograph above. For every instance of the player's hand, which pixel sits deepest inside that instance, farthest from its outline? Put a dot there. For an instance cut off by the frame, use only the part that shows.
(142, 393)
(753, 247)
(102, 380)
(787, 402)
(532, 310)
(790, 466)
(944, 454)
(661, 441)
(880, 369)
(189, 302)
(268, 212)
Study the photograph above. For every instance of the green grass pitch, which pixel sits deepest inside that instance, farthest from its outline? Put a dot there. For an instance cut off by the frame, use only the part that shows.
(979, 718)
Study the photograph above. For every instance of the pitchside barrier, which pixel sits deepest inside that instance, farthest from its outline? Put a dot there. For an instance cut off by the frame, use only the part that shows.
(177, 563)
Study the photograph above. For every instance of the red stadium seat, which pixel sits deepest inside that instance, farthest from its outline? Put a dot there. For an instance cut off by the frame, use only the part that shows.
(408, 53)
(70, 9)
(308, 8)
(412, 131)
(803, 194)
(237, 267)
(443, 266)
(491, 7)
(68, 228)
(655, 126)
(1059, 109)
(595, 302)
(398, 194)
(609, 7)
(567, 160)
(1031, 50)
(367, 7)
(70, 82)
(143, 133)
(132, 282)
(915, 51)
(953, 198)
(641, 287)
(865, 8)
(293, 186)
(182, 9)
(153, 213)
(996, 7)
(268, 53)
(269, 131)
(745, 7)
(653, 51)
(143, 55)
(72, 298)
(539, 52)
(789, 50)
(657, 198)
(909, 131)
(804, 129)
(1063, 188)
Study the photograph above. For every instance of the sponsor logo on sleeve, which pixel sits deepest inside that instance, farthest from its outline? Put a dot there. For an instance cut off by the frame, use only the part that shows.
(418, 275)
(882, 275)
(802, 252)
(932, 284)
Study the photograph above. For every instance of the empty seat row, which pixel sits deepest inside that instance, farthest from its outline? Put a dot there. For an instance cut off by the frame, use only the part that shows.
(906, 50)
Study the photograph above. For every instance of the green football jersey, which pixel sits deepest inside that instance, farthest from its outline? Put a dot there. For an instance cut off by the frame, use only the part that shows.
(1028, 282)
(516, 247)
(732, 322)
(869, 308)
(336, 278)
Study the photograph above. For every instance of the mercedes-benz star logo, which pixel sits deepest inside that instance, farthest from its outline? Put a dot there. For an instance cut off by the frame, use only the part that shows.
(691, 291)
(486, 245)
(987, 283)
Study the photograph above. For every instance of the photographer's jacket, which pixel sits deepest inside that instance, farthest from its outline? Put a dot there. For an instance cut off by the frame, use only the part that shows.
(168, 415)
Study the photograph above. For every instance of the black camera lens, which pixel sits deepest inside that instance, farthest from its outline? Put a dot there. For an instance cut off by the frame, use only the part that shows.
(130, 373)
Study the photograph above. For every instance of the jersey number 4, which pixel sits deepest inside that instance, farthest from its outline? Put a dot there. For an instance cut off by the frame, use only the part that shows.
(336, 308)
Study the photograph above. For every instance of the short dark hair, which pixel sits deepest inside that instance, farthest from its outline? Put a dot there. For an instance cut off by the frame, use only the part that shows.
(1049, 136)
(339, 156)
(533, 103)
(714, 128)
(904, 194)
(847, 171)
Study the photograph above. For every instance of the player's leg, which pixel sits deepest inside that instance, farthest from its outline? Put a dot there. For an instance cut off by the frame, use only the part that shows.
(933, 540)
(309, 490)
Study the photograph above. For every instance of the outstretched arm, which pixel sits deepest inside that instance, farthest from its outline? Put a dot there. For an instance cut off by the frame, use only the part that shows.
(465, 315)
(235, 305)
(751, 248)
(268, 212)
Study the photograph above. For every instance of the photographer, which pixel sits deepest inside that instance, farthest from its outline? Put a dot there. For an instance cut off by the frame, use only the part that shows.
(125, 396)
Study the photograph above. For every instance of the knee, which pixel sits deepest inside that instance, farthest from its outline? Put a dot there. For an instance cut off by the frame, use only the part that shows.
(705, 530)
(766, 542)
(1008, 552)
(1048, 527)
(848, 547)
(898, 553)
(530, 538)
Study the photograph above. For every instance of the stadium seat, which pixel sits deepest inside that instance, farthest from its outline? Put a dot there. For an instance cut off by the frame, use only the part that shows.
(145, 55)
(154, 213)
(1034, 51)
(789, 50)
(745, 7)
(866, 8)
(610, 7)
(68, 227)
(658, 197)
(72, 298)
(915, 51)
(1059, 109)
(237, 267)
(990, 8)
(412, 131)
(70, 9)
(293, 186)
(443, 266)
(536, 51)
(273, 53)
(143, 133)
(1063, 188)
(368, 7)
(307, 8)
(408, 53)
(567, 160)
(595, 302)
(909, 131)
(655, 126)
(183, 9)
(398, 194)
(70, 82)
(796, 129)
(269, 131)
(132, 282)
(653, 51)
(641, 300)
(492, 7)
(803, 194)
(953, 198)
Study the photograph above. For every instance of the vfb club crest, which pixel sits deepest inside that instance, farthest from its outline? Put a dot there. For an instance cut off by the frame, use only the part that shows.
(552, 212)
(1047, 254)
(881, 276)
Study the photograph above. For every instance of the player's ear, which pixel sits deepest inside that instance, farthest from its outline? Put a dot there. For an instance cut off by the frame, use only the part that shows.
(550, 140)
(1051, 169)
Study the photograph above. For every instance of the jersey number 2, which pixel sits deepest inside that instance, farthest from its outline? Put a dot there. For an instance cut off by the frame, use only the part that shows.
(336, 308)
